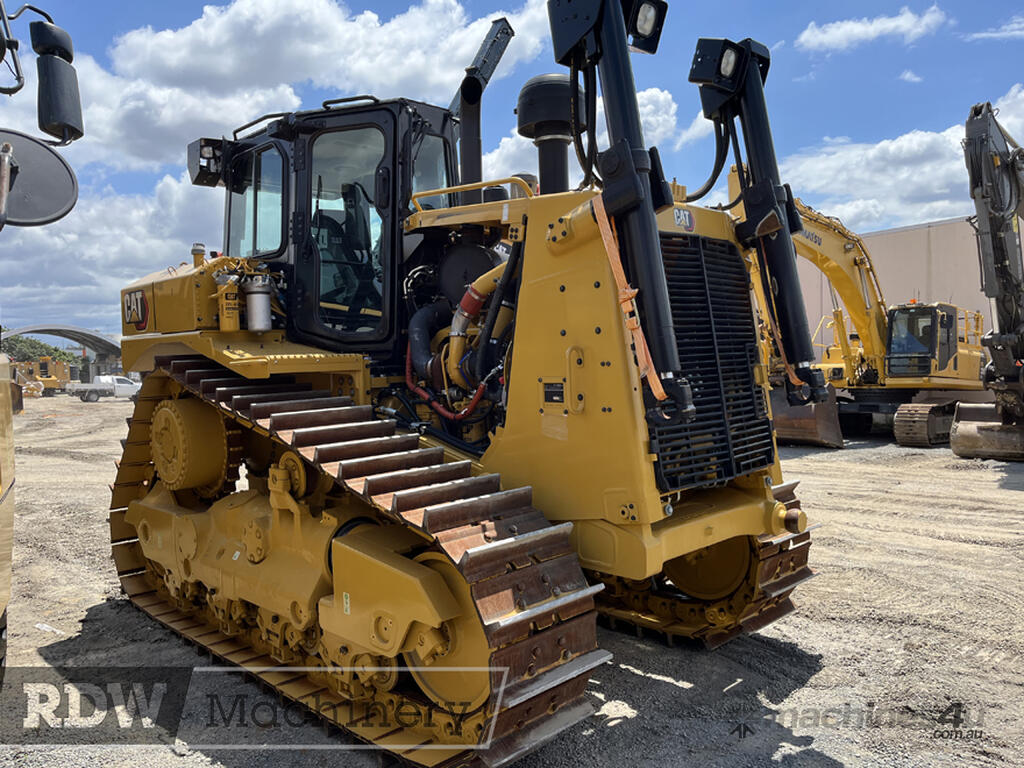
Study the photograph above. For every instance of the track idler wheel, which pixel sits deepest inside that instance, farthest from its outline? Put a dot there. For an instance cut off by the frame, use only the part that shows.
(713, 572)
(459, 676)
(189, 446)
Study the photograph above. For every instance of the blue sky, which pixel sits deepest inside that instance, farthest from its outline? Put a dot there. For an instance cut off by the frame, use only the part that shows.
(866, 109)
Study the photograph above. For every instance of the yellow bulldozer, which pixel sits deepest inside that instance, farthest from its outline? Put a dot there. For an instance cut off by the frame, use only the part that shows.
(403, 440)
(911, 362)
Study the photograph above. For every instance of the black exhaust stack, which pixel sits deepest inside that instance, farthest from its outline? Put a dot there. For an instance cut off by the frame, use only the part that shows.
(544, 116)
(471, 149)
(466, 105)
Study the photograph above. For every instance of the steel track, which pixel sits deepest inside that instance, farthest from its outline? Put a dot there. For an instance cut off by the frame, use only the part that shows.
(545, 637)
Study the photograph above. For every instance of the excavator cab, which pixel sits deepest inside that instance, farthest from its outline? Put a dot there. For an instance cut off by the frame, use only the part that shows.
(923, 340)
(911, 347)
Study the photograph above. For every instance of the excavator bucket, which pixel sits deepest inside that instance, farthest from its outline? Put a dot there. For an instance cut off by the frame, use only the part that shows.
(979, 432)
(811, 424)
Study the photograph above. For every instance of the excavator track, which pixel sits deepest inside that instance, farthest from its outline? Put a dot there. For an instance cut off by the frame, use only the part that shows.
(777, 566)
(533, 601)
(922, 425)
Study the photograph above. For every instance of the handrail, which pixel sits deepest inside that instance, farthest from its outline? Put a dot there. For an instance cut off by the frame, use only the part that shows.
(521, 183)
(257, 121)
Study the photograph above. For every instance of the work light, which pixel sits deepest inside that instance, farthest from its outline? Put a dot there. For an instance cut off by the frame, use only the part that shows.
(645, 21)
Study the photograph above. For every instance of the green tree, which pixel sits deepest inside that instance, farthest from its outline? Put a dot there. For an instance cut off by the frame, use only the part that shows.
(22, 348)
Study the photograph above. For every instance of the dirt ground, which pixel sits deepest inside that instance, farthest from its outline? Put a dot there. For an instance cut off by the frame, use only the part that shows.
(915, 614)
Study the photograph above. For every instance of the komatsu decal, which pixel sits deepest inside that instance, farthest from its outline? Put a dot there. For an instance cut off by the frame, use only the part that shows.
(814, 238)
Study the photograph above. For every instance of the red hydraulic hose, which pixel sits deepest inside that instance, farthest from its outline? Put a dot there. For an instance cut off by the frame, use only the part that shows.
(440, 409)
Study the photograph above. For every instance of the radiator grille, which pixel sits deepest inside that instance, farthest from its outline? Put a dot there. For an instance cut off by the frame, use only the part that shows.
(711, 308)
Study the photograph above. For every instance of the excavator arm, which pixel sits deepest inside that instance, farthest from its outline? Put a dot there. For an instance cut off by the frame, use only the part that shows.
(995, 165)
(844, 260)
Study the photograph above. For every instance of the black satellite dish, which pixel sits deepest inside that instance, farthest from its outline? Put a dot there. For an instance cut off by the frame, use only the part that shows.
(43, 187)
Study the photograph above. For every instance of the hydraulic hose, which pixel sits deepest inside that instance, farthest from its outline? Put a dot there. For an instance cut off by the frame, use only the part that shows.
(432, 401)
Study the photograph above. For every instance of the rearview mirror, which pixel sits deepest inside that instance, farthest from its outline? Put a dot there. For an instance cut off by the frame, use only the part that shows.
(59, 103)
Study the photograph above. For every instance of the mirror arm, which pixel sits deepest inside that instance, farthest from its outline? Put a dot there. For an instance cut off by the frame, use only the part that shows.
(6, 158)
(32, 8)
(10, 44)
(66, 141)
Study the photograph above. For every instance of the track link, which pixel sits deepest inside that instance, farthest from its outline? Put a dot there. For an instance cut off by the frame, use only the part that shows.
(922, 425)
(778, 566)
(535, 605)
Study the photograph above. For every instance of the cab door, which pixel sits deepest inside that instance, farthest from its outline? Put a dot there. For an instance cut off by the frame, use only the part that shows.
(947, 339)
(345, 283)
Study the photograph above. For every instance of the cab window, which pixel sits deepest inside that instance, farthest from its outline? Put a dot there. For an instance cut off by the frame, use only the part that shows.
(912, 333)
(255, 208)
(430, 171)
(947, 336)
(347, 228)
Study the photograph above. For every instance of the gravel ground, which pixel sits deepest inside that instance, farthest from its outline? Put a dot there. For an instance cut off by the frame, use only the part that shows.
(915, 612)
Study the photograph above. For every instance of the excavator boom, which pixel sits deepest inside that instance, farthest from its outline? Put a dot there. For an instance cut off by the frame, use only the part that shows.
(995, 165)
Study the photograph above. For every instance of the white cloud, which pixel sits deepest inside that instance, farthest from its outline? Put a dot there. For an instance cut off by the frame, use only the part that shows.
(513, 155)
(908, 76)
(657, 115)
(916, 177)
(72, 271)
(699, 128)
(850, 33)
(420, 53)
(1011, 30)
(169, 87)
(133, 124)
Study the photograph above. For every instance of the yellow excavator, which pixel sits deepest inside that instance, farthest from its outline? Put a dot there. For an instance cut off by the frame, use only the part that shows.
(995, 165)
(410, 432)
(910, 362)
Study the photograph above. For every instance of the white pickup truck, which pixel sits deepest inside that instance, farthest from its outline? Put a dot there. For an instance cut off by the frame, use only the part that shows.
(103, 386)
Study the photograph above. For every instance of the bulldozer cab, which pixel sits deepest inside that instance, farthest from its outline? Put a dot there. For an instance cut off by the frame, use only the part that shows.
(922, 339)
(321, 196)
